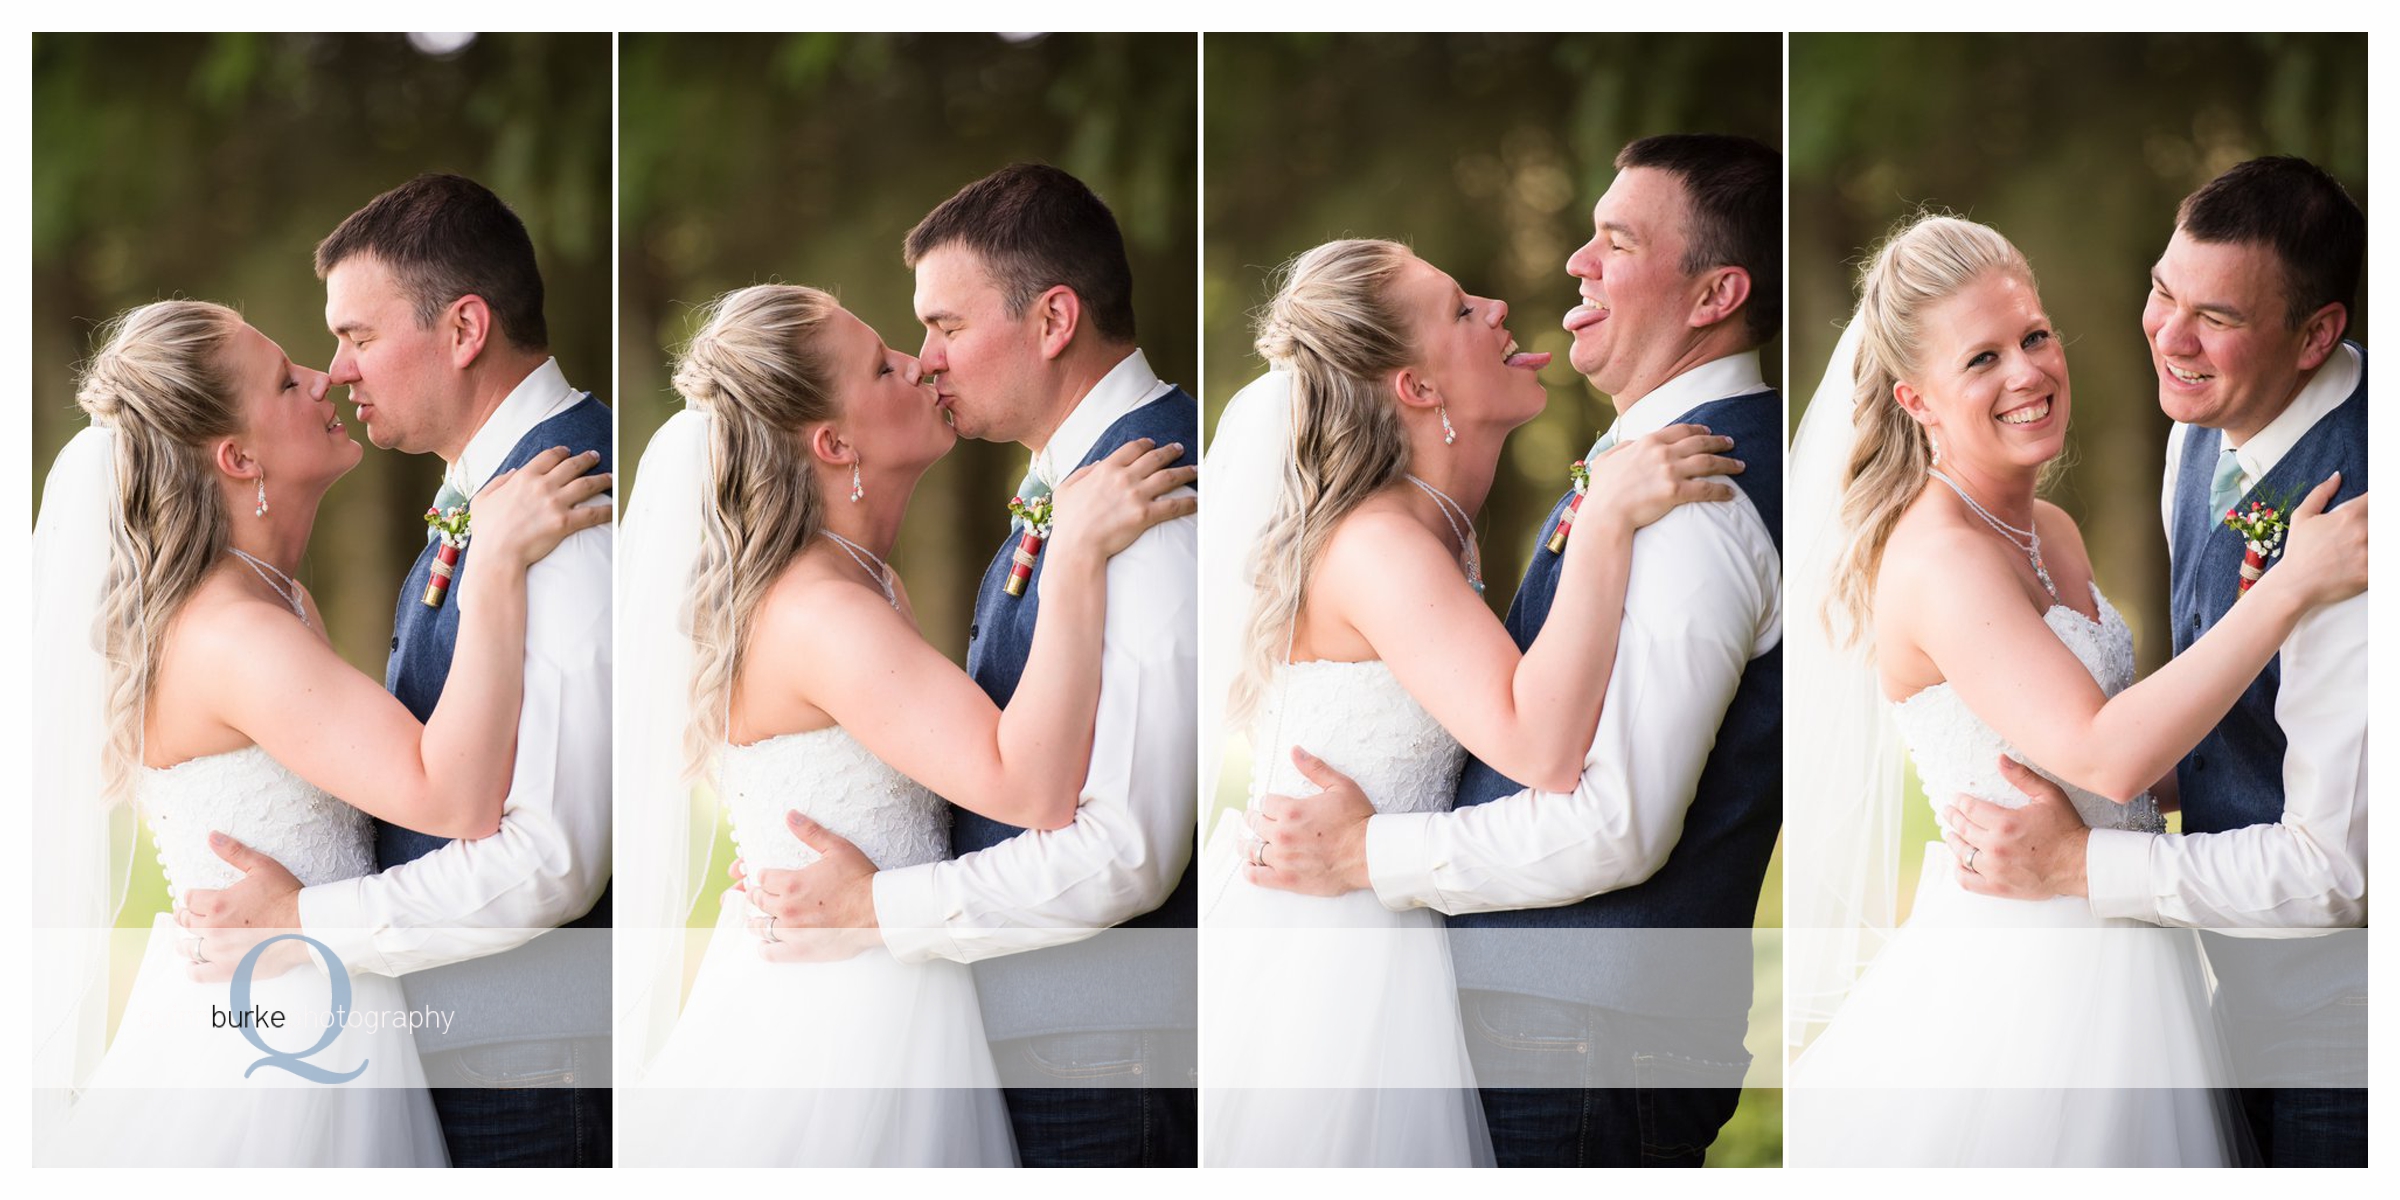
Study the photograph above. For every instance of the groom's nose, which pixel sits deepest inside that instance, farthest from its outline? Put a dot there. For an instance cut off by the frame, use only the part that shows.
(343, 370)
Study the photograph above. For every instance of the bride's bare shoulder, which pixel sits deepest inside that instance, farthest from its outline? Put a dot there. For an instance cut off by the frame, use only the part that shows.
(1935, 553)
(815, 603)
(1380, 539)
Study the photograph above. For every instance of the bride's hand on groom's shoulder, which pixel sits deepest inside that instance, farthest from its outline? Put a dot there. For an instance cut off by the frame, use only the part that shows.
(524, 514)
(1315, 845)
(1105, 506)
(1640, 481)
(2326, 555)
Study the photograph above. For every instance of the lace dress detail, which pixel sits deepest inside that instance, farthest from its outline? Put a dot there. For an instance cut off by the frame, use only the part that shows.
(866, 1061)
(1330, 1023)
(832, 780)
(1955, 752)
(250, 797)
(1357, 717)
(2106, 1052)
(177, 1089)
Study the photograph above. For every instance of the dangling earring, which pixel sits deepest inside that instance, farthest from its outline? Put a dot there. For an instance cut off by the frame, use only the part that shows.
(857, 488)
(1935, 441)
(262, 495)
(1449, 435)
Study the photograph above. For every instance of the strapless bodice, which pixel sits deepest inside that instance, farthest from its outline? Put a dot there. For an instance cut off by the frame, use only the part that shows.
(1955, 752)
(829, 778)
(1356, 717)
(248, 796)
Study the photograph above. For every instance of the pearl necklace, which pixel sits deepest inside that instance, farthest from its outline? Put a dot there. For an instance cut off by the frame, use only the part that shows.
(2025, 540)
(289, 588)
(1460, 524)
(860, 554)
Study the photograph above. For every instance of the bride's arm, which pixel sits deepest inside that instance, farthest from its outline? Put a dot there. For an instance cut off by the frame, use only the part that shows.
(288, 691)
(876, 676)
(1964, 606)
(1530, 716)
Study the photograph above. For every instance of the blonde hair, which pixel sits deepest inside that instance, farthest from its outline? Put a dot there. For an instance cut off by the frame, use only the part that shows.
(757, 369)
(1334, 326)
(1927, 259)
(161, 380)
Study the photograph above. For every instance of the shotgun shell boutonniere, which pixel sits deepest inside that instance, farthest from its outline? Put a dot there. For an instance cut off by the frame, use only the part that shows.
(2262, 526)
(1580, 474)
(450, 527)
(1034, 514)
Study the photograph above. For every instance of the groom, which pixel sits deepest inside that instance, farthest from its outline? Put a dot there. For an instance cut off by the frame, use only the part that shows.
(1027, 301)
(2245, 319)
(435, 301)
(1602, 937)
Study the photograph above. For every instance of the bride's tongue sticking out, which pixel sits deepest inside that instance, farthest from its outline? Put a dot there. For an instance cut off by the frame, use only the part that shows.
(1524, 360)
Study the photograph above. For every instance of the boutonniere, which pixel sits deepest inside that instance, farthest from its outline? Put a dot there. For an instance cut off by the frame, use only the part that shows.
(451, 526)
(1034, 515)
(1579, 474)
(2262, 527)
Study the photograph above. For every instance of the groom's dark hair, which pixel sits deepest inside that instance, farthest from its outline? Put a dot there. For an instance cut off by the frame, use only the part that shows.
(447, 236)
(1735, 189)
(2292, 207)
(1037, 227)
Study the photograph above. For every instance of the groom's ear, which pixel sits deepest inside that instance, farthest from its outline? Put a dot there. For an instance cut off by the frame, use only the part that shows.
(1060, 312)
(2321, 333)
(1723, 291)
(466, 328)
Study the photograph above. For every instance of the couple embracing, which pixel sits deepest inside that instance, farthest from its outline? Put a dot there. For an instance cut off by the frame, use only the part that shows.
(421, 835)
(2046, 1002)
(1589, 791)
(897, 817)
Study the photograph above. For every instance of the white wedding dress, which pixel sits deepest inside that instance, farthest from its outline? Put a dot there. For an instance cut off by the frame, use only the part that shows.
(863, 1062)
(172, 1088)
(1331, 1028)
(2010, 1032)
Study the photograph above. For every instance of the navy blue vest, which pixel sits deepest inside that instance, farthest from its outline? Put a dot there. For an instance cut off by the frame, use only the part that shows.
(1707, 892)
(2234, 777)
(1098, 984)
(546, 988)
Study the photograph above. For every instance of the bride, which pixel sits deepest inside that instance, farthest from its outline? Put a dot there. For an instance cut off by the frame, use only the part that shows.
(1966, 608)
(1333, 1033)
(783, 654)
(194, 685)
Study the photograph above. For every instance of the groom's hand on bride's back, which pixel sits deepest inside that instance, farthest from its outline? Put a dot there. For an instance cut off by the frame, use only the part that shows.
(2029, 853)
(1315, 845)
(225, 923)
(823, 912)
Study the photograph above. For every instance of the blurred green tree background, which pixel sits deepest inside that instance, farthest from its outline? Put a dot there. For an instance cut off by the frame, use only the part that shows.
(823, 149)
(208, 166)
(1485, 153)
(2078, 148)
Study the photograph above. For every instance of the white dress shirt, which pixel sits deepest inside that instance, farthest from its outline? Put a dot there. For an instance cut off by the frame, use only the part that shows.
(1704, 598)
(2308, 870)
(1132, 834)
(550, 859)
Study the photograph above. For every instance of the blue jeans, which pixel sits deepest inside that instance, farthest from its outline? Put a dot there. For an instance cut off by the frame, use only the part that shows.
(1116, 1118)
(1573, 1085)
(2300, 1121)
(518, 1104)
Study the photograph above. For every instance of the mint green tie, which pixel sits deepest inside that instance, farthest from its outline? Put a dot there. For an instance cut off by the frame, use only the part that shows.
(446, 499)
(2225, 487)
(1033, 488)
(1601, 445)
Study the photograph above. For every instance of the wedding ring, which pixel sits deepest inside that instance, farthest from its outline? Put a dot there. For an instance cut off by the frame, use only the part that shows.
(769, 932)
(1258, 852)
(191, 950)
(1972, 851)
